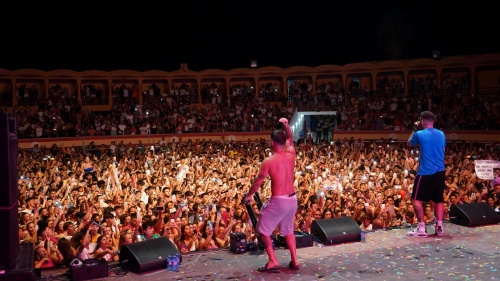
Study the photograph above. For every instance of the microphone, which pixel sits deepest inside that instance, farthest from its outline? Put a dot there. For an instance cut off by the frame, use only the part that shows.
(417, 126)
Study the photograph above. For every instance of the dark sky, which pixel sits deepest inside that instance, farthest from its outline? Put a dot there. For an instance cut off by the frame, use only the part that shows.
(215, 36)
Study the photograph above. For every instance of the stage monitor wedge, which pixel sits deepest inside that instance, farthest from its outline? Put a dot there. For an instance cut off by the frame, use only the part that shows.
(473, 214)
(336, 230)
(147, 255)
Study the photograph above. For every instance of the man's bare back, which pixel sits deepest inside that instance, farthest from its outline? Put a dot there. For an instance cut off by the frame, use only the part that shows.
(280, 167)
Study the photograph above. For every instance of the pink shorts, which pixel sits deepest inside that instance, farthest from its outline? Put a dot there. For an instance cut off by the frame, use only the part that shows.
(278, 211)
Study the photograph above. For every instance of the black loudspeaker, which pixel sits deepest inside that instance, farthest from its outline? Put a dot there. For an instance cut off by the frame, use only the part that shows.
(9, 191)
(8, 165)
(336, 230)
(302, 240)
(9, 236)
(473, 214)
(238, 243)
(24, 269)
(147, 255)
(88, 269)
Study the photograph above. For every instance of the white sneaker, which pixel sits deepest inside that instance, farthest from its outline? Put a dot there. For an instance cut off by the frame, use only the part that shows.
(418, 232)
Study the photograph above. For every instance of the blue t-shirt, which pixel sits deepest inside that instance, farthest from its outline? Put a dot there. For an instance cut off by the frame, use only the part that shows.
(432, 143)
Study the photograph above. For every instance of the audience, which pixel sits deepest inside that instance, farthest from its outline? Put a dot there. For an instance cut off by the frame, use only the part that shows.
(87, 205)
(387, 107)
(99, 202)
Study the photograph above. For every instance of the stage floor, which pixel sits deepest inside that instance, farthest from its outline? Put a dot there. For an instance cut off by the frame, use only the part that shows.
(463, 253)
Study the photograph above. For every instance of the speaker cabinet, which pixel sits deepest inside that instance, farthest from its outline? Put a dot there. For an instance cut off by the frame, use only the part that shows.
(9, 236)
(336, 230)
(238, 243)
(8, 165)
(473, 214)
(302, 240)
(147, 255)
(8, 191)
(88, 270)
(24, 269)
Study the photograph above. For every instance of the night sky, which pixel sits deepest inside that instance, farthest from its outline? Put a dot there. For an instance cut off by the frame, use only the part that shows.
(210, 35)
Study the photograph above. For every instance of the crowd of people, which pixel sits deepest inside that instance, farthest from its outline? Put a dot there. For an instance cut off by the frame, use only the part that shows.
(87, 204)
(387, 107)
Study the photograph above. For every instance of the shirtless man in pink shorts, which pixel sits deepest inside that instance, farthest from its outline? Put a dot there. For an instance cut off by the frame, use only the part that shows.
(280, 209)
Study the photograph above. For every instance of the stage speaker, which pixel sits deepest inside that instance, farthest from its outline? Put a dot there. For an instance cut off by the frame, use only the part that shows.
(8, 189)
(8, 164)
(238, 243)
(24, 269)
(473, 214)
(88, 269)
(9, 236)
(336, 230)
(302, 240)
(147, 255)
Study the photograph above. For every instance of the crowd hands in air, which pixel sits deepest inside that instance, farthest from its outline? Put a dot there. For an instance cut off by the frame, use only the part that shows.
(88, 205)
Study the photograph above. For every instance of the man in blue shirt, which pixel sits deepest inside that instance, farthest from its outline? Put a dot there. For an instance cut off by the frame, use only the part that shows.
(429, 182)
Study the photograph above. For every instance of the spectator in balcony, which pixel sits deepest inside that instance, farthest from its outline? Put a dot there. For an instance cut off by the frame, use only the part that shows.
(133, 130)
(92, 131)
(39, 130)
(144, 129)
(113, 129)
(122, 127)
